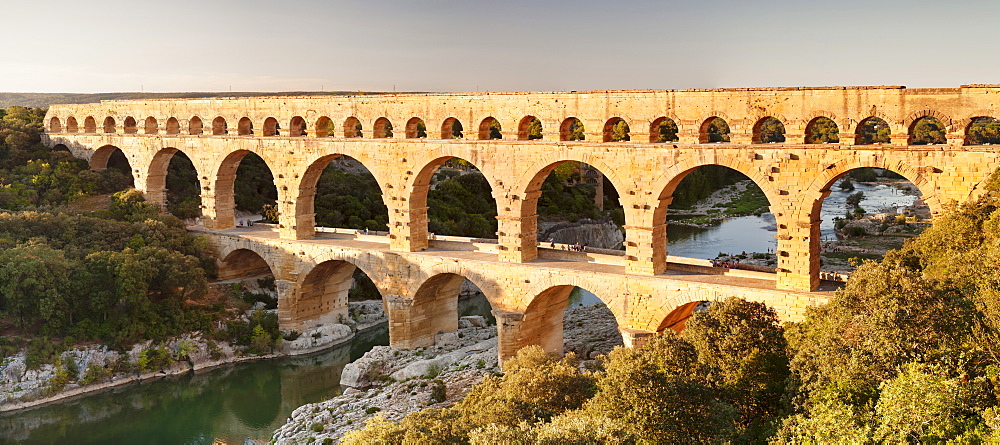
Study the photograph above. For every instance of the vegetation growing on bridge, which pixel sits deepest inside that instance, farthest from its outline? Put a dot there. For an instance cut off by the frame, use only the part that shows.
(908, 352)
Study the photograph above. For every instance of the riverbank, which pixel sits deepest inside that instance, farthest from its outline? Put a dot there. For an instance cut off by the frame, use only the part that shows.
(87, 370)
(393, 383)
(739, 199)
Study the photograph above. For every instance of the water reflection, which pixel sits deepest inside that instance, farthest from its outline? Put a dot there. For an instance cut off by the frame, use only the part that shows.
(229, 405)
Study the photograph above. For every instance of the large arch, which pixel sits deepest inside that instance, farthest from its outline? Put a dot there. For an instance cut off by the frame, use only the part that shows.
(99, 160)
(241, 263)
(460, 170)
(322, 295)
(420, 188)
(434, 305)
(224, 186)
(305, 202)
(157, 177)
(543, 316)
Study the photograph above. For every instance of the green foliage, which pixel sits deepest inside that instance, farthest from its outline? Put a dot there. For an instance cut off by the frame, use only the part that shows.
(854, 199)
(702, 182)
(463, 206)
(183, 187)
(575, 132)
(95, 374)
(718, 130)
(666, 131)
(438, 391)
(823, 131)
(873, 131)
(534, 129)
(770, 130)
(984, 130)
(154, 358)
(350, 201)
(619, 132)
(259, 332)
(928, 130)
(254, 187)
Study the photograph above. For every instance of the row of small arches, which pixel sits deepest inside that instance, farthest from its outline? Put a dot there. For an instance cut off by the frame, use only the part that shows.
(873, 130)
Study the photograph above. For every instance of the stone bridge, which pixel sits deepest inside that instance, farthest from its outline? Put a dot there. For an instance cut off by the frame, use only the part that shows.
(516, 140)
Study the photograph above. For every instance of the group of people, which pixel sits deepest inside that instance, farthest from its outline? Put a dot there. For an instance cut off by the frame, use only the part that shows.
(249, 223)
(578, 247)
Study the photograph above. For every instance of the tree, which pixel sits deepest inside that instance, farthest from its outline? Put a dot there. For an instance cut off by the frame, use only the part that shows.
(534, 129)
(771, 130)
(718, 131)
(873, 131)
(823, 131)
(619, 132)
(666, 131)
(33, 277)
(928, 130)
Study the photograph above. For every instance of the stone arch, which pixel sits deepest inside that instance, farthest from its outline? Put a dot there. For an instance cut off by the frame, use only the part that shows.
(71, 125)
(173, 126)
(370, 264)
(667, 183)
(530, 184)
(672, 314)
(876, 123)
(992, 126)
(54, 125)
(224, 181)
(822, 124)
(324, 127)
(543, 315)
(243, 261)
(490, 128)
(130, 126)
(244, 127)
(271, 127)
(352, 127)
(322, 294)
(524, 130)
(765, 134)
(572, 129)
(657, 127)
(609, 130)
(420, 188)
(151, 126)
(219, 126)
(195, 126)
(452, 129)
(156, 174)
(305, 202)
(382, 128)
(705, 134)
(930, 138)
(819, 188)
(912, 119)
(110, 126)
(90, 125)
(99, 160)
(433, 305)
(415, 128)
(297, 127)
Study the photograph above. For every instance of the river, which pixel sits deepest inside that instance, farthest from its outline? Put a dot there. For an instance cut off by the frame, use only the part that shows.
(247, 402)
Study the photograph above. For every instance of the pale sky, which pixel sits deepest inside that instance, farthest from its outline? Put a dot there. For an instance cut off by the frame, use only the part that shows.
(501, 45)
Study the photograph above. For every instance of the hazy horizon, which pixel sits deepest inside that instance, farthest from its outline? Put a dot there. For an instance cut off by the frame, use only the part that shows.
(448, 46)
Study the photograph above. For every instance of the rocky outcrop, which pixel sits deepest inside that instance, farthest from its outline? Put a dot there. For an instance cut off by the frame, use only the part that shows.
(393, 383)
(599, 234)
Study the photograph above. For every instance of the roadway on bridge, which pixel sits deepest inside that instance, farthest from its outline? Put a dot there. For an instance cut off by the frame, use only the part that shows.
(351, 239)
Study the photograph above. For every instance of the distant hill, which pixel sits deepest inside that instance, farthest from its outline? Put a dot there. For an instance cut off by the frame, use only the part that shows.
(46, 99)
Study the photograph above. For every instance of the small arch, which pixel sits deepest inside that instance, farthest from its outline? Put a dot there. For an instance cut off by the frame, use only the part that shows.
(150, 126)
(382, 128)
(54, 125)
(616, 130)
(713, 129)
(452, 129)
(529, 129)
(768, 130)
(663, 129)
(173, 126)
(219, 126)
(873, 130)
(71, 125)
(490, 128)
(90, 125)
(415, 128)
(271, 127)
(244, 127)
(982, 130)
(130, 126)
(571, 129)
(195, 126)
(352, 128)
(324, 127)
(110, 126)
(822, 130)
(297, 127)
(927, 130)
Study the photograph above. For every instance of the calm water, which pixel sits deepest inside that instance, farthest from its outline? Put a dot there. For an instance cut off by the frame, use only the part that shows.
(756, 233)
(249, 401)
(225, 405)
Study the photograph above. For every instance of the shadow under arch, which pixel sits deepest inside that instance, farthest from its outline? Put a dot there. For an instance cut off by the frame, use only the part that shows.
(241, 263)
(323, 295)
(434, 307)
(543, 318)
(305, 202)
(110, 156)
